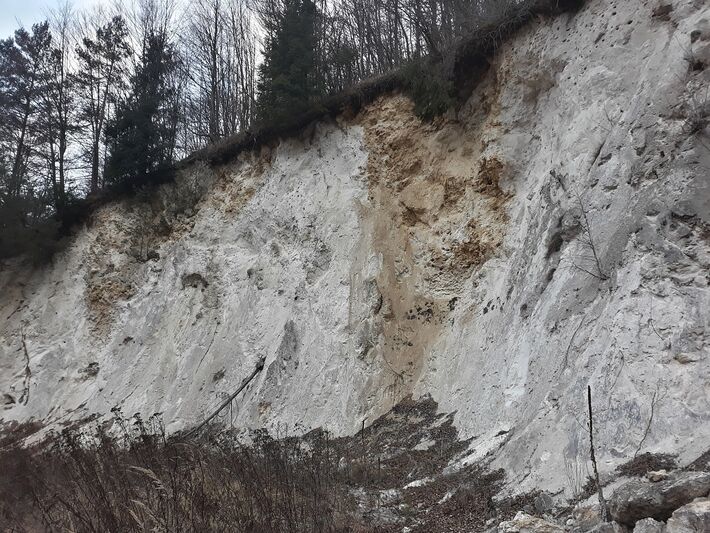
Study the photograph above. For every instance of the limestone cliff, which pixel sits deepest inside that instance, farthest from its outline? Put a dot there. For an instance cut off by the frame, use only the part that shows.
(553, 232)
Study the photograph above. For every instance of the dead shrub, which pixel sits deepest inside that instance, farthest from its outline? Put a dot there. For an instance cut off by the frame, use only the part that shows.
(647, 462)
(138, 479)
(90, 482)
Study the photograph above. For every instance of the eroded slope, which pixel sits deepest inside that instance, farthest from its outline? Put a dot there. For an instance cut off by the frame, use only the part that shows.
(549, 234)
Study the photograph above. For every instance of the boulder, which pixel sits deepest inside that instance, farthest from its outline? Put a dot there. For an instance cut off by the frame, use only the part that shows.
(641, 499)
(585, 517)
(525, 523)
(691, 518)
(649, 525)
(543, 503)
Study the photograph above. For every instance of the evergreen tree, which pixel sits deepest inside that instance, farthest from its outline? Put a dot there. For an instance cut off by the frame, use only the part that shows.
(22, 61)
(24, 198)
(287, 81)
(141, 138)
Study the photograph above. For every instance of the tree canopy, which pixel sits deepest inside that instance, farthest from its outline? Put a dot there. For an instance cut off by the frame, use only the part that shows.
(141, 137)
(106, 98)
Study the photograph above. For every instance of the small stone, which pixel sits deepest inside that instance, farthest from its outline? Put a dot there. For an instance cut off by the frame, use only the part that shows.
(389, 496)
(654, 476)
(609, 527)
(587, 516)
(649, 525)
(524, 523)
(543, 503)
(685, 358)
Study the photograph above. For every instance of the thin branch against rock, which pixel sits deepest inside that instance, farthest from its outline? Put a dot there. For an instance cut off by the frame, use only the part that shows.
(602, 502)
(571, 341)
(648, 424)
(586, 228)
(398, 375)
(590, 242)
(655, 398)
(228, 401)
(209, 346)
(574, 336)
(28, 372)
(616, 379)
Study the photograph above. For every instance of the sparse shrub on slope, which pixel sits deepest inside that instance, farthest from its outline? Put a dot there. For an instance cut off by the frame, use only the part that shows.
(22, 232)
(145, 482)
(139, 479)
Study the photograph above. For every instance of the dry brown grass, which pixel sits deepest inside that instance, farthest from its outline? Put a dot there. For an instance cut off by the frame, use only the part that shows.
(141, 480)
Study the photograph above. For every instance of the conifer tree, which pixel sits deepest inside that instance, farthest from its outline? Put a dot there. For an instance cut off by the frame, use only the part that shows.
(23, 193)
(141, 138)
(57, 110)
(22, 61)
(287, 81)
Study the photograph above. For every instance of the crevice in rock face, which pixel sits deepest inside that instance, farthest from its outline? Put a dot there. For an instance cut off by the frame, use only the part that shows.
(195, 281)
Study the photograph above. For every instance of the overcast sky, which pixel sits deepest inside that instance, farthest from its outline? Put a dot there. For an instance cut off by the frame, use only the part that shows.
(27, 12)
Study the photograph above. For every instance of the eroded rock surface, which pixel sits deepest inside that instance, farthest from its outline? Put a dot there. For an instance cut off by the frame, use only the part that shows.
(608, 527)
(553, 232)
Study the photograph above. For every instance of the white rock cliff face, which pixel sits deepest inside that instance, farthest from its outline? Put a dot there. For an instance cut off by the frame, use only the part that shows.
(552, 233)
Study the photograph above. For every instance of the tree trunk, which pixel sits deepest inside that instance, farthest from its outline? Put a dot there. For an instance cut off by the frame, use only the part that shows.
(95, 166)
(17, 164)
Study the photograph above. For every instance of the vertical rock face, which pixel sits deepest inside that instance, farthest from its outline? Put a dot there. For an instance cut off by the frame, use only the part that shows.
(553, 232)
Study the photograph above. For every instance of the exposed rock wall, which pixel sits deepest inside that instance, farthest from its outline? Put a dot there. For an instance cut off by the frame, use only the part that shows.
(551, 233)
